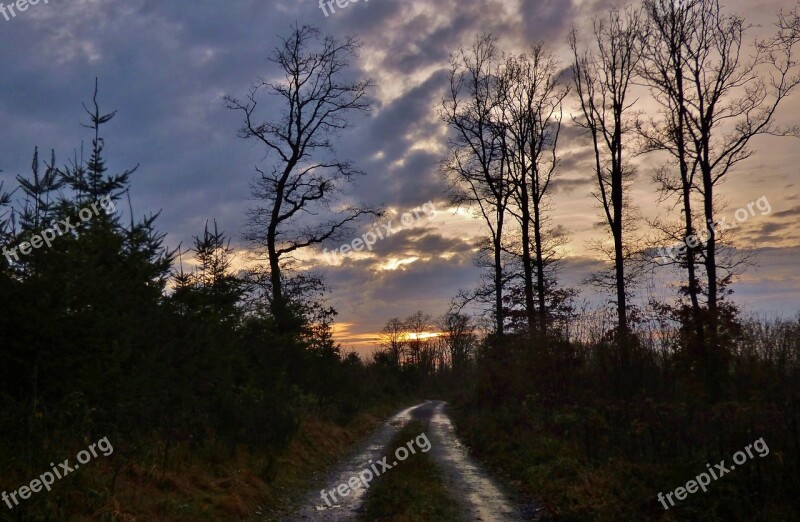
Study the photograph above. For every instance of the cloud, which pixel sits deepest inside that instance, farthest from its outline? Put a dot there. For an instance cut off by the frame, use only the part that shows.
(166, 65)
(794, 212)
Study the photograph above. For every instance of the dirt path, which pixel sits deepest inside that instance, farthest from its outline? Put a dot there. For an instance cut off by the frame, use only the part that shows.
(372, 448)
(479, 495)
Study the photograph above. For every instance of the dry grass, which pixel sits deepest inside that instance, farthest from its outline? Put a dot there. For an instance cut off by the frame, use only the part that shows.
(206, 484)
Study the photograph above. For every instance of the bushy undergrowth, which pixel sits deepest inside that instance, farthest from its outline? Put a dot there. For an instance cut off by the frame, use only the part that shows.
(551, 414)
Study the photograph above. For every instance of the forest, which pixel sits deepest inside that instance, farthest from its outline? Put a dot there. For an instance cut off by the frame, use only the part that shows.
(219, 384)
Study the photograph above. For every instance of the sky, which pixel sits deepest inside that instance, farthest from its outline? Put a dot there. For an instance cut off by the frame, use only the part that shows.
(166, 65)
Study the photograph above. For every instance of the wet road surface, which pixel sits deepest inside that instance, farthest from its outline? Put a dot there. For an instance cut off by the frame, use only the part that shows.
(373, 448)
(480, 497)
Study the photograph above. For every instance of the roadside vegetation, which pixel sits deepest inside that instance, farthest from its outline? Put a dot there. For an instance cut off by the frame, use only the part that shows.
(218, 380)
(412, 491)
(215, 409)
(595, 443)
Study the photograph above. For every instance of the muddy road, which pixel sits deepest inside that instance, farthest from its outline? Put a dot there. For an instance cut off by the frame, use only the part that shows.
(480, 496)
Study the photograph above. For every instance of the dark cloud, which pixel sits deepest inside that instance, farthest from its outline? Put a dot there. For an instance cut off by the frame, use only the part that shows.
(568, 185)
(420, 242)
(363, 292)
(552, 18)
(767, 228)
(166, 65)
(794, 212)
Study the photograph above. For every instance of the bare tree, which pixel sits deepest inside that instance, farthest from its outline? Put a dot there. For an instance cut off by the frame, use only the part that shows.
(417, 345)
(459, 339)
(478, 164)
(730, 94)
(668, 26)
(393, 339)
(305, 178)
(603, 79)
(532, 101)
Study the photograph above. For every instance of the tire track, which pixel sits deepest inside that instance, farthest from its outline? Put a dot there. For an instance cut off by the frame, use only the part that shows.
(476, 491)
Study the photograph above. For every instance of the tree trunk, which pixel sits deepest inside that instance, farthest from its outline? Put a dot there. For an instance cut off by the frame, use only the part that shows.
(617, 226)
(527, 263)
(278, 302)
(686, 186)
(711, 253)
(498, 291)
(537, 233)
(691, 267)
(498, 278)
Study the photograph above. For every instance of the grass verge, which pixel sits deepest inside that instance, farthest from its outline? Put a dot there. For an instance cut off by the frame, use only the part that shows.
(553, 467)
(413, 491)
(208, 482)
